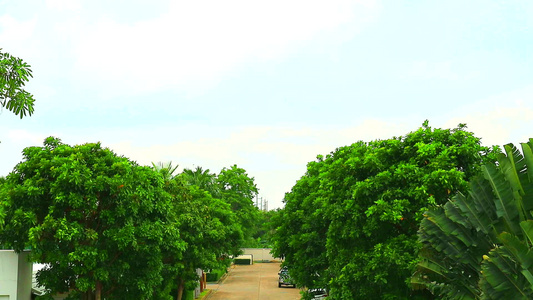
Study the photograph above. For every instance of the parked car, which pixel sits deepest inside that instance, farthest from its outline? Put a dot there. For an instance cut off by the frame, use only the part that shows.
(318, 293)
(285, 278)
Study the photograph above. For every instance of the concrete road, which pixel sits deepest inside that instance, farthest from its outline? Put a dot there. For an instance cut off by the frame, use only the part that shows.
(252, 282)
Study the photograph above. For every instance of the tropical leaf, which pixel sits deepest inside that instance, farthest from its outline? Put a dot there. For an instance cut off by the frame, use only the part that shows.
(504, 199)
(519, 250)
(511, 166)
(527, 227)
(527, 180)
(528, 157)
(501, 277)
(490, 230)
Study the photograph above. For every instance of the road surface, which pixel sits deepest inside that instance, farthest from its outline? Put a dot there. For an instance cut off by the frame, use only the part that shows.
(252, 282)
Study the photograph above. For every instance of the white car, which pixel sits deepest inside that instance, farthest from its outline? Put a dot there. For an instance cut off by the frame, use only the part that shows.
(318, 293)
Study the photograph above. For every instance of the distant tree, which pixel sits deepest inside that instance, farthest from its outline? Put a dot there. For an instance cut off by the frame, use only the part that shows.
(264, 229)
(14, 73)
(165, 169)
(202, 179)
(208, 227)
(101, 223)
(238, 190)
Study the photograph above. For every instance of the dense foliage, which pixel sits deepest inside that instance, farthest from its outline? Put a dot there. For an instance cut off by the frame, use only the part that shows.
(14, 73)
(100, 222)
(107, 228)
(262, 230)
(479, 244)
(350, 222)
(209, 229)
(239, 191)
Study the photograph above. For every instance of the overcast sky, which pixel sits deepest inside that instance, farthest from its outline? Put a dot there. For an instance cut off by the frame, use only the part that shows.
(266, 85)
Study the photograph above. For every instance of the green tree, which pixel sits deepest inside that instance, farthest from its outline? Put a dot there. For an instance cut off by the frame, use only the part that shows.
(238, 190)
(202, 179)
(208, 227)
(479, 244)
(165, 169)
(301, 229)
(262, 230)
(370, 197)
(99, 221)
(380, 192)
(14, 73)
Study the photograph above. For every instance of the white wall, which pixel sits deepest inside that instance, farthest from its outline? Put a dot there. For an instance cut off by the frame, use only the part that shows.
(15, 275)
(260, 254)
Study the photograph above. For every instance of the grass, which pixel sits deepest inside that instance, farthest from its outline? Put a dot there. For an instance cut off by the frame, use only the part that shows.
(204, 294)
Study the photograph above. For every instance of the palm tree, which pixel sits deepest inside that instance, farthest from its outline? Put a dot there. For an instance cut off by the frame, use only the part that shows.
(203, 179)
(166, 169)
(480, 245)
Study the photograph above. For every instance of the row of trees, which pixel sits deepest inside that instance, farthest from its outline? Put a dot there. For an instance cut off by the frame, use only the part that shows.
(108, 228)
(350, 223)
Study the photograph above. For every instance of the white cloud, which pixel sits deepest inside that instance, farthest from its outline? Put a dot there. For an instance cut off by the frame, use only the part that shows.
(16, 32)
(438, 70)
(64, 5)
(197, 42)
(20, 136)
(499, 120)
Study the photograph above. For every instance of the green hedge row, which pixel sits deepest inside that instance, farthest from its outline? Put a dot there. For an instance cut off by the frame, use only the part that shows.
(215, 275)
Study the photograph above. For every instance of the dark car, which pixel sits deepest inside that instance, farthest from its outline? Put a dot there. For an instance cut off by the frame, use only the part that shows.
(285, 278)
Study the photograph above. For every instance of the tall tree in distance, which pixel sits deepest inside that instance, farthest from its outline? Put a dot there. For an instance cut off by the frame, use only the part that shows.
(202, 179)
(238, 190)
(165, 169)
(14, 73)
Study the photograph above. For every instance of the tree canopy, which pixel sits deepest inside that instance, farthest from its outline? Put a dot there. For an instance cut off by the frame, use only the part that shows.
(107, 228)
(350, 222)
(207, 225)
(238, 189)
(99, 222)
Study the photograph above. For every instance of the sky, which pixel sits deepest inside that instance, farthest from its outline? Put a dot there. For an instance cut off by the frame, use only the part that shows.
(266, 85)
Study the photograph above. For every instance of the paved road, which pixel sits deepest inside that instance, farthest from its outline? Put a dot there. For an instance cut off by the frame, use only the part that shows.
(256, 282)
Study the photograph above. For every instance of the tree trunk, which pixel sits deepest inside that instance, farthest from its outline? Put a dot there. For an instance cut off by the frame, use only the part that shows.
(202, 282)
(98, 292)
(181, 286)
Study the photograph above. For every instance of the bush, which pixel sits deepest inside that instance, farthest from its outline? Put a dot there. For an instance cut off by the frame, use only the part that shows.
(215, 275)
(188, 295)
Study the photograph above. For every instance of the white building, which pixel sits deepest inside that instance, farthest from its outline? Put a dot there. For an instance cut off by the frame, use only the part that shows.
(15, 275)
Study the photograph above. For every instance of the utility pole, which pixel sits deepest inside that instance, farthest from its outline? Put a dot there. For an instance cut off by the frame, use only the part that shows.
(261, 203)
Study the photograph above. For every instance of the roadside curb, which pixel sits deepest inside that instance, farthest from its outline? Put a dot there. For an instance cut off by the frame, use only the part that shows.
(221, 280)
(218, 283)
